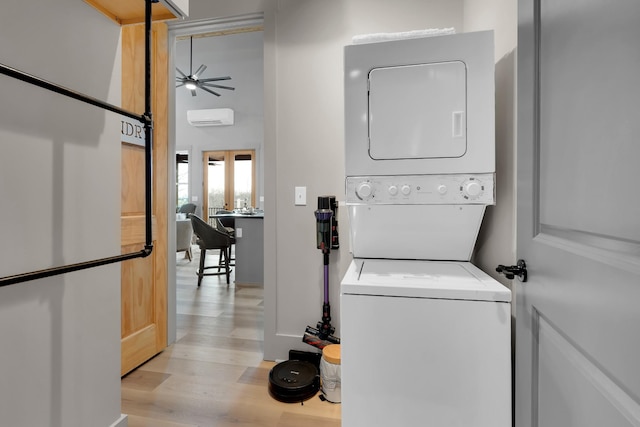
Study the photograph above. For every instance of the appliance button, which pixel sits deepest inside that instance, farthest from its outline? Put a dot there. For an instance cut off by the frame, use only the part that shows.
(442, 189)
(405, 190)
(393, 190)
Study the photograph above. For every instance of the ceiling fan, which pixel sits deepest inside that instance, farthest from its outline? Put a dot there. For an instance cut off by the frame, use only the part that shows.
(193, 80)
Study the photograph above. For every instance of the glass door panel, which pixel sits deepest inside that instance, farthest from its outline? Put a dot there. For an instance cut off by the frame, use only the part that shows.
(229, 180)
(243, 194)
(216, 181)
(182, 178)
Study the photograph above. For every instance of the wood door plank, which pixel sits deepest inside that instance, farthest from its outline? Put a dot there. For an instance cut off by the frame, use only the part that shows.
(138, 347)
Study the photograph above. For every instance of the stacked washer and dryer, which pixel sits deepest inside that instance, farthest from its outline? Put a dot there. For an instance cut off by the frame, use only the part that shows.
(425, 334)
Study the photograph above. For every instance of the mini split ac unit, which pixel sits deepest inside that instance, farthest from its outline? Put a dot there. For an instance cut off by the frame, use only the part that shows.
(210, 117)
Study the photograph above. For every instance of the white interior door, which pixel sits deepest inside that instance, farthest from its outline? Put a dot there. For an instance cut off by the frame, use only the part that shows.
(578, 317)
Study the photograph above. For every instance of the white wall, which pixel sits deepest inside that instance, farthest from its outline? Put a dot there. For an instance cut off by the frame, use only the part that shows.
(60, 192)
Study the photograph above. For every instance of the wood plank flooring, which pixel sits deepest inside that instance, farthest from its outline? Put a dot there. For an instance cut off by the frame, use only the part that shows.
(214, 375)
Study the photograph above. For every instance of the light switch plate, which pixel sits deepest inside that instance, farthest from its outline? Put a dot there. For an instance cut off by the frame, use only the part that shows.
(301, 196)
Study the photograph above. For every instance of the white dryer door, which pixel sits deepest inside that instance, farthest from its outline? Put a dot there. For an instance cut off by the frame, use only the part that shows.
(418, 111)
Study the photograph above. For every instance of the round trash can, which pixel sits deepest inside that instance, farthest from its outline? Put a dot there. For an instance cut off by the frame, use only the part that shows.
(330, 375)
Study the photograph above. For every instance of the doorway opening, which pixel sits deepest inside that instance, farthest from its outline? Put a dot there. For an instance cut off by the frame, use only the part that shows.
(232, 47)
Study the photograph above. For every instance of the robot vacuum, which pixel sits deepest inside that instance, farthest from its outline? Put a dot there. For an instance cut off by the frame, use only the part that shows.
(294, 381)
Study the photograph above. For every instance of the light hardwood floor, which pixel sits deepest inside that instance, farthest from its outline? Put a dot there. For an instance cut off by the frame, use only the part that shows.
(214, 374)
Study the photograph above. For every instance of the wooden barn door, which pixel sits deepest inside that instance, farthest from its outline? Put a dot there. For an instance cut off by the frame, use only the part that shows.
(144, 280)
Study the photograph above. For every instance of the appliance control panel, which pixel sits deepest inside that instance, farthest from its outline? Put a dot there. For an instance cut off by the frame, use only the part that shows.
(451, 189)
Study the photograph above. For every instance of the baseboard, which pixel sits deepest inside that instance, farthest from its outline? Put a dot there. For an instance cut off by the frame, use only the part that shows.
(122, 421)
(279, 346)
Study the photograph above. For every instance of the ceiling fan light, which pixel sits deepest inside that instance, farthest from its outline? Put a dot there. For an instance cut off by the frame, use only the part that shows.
(190, 86)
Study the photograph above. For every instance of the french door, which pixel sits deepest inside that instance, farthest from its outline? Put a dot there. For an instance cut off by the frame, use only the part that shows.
(229, 180)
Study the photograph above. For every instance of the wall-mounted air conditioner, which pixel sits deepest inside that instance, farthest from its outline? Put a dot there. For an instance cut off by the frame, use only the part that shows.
(210, 117)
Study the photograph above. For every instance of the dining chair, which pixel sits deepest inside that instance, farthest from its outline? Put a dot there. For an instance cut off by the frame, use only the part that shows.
(209, 238)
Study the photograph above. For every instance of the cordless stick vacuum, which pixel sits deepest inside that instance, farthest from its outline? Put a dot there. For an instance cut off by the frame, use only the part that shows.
(327, 237)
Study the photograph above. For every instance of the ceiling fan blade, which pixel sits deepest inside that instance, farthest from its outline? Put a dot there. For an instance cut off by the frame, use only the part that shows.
(193, 92)
(215, 79)
(218, 86)
(210, 91)
(191, 56)
(181, 73)
(200, 69)
(181, 84)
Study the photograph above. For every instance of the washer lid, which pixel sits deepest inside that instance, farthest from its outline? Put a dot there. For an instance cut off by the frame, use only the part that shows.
(422, 279)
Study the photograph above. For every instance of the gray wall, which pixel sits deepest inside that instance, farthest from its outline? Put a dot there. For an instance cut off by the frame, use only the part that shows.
(497, 239)
(308, 143)
(207, 9)
(60, 192)
(304, 142)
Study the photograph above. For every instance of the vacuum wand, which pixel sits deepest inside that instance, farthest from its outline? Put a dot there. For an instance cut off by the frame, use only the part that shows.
(322, 334)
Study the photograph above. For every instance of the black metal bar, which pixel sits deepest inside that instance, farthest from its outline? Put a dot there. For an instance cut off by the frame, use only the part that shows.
(37, 81)
(54, 271)
(148, 126)
(146, 118)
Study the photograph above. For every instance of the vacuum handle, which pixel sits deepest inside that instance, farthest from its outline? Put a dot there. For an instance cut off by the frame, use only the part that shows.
(323, 229)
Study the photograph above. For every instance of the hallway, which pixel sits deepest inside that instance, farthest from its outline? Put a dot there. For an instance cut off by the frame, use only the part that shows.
(214, 374)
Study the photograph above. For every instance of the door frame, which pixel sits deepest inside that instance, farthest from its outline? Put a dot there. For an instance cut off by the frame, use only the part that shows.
(177, 29)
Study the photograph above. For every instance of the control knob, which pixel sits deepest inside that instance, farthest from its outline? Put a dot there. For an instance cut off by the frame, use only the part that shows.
(364, 190)
(471, 189)
(393, 190)
(405, 190)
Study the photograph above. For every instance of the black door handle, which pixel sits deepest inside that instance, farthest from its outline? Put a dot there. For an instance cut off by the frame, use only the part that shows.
(512, 271)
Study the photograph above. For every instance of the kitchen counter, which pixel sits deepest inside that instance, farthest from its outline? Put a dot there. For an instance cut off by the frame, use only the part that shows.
(239, 215)
(249, 248)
